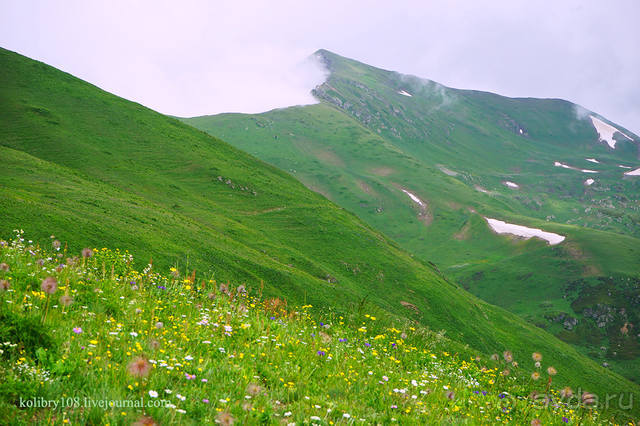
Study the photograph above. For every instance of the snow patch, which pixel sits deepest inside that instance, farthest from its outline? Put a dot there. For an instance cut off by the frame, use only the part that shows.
(593, 160)
(511, 184)
(565, 166)
(521, 131)
(402, 92)
(522, 231)
(414, 198)
(635, 172)
(624, 167)
(481, 189)
(559, 164)
(606, 131)
(589, 182)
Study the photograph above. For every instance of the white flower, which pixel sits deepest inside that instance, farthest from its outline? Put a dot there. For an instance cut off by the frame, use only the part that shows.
(385, 378)
(134, 334)
(167, 391)
(223, 401)
(346, 415)
(288, 413)
(228, 328)
(315, 418)
(153, 394)
(188, 357)
(180, 397)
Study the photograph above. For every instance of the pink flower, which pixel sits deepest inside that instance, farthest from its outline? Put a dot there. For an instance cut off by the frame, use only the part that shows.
(77, 330)
(190, 376)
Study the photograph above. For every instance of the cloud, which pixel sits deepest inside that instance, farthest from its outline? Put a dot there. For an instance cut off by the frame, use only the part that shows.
(199, 57)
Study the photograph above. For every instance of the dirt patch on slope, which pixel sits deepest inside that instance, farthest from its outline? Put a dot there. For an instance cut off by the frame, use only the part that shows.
(382, 171)
(463, 233)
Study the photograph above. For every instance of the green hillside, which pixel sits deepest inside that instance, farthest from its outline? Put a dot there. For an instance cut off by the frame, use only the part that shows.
(366, 142)
(97, 170)
(104, 343)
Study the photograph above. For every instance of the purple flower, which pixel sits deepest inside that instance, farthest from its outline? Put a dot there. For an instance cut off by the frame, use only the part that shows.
(321, 353)
(77, 330)
(321, 324)
(204, 380)
(367, 344)
(205, 400)
(190, 376)
(393, 344)
(272, 318)
(501, 396)
(161, 287)
(342, 340)
(393, 407)
(566, 420)
(484, 393)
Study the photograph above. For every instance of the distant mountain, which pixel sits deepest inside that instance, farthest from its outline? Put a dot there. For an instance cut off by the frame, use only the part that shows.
(442, 171)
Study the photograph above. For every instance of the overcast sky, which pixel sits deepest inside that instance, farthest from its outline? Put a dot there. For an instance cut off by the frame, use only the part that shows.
(202, 57)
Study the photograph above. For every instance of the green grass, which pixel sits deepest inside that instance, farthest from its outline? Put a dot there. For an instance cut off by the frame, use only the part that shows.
(364, 143)
(96, 170)
(207, 353)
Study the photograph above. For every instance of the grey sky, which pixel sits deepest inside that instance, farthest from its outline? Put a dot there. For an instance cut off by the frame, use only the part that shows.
(201, 57)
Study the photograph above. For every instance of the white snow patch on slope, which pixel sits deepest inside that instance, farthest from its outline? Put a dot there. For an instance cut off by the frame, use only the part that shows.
(522, 231)
(564, 166)
(481, 189)
(635, 172)
(511, 184)
(593, 160)
(589, 182)
(624, 167)
(606, 131)
(559, 164)
(402, 92)
(414, 198)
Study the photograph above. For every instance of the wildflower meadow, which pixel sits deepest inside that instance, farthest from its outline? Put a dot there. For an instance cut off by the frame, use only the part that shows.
(87, 339)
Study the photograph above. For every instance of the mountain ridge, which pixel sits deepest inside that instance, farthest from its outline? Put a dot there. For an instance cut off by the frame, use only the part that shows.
(521, 160)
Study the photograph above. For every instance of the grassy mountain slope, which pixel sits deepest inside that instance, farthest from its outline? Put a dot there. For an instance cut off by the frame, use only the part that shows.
(194, 355)
(365, 143)
(89, 165)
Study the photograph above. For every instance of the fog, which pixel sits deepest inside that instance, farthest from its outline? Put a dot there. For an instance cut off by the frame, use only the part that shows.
(199, 57)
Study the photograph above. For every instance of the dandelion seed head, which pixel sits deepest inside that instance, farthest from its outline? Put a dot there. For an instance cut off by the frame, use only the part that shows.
(145, 421)
(66, 300)
(49, 285)
(225, 418)
(139, 367)
(4, 285)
